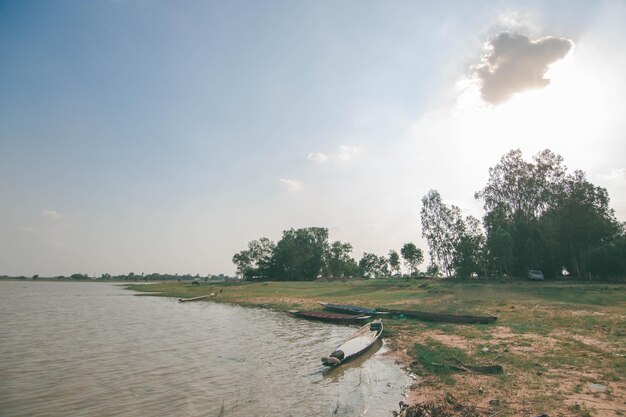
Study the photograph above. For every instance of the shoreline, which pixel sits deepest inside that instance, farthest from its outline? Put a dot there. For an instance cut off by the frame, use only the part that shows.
(560, 344)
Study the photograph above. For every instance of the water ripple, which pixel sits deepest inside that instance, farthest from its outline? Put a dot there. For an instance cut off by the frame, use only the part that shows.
(79, 349)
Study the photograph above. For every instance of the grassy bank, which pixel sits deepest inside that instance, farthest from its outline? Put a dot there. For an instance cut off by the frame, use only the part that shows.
(561, 344)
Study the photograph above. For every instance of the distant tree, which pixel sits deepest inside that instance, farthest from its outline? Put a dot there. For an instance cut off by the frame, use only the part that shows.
(469, 242)
(607, 260)
(517, 194)
(373, 266)
(394, 262)
(339, 261)
(540, 217)
(79, 276)
(439, 228)
(35, 277)
(499, 245)
(256, 260)
(579, 221)
(300, 254)
(432, 270)
(412, 256)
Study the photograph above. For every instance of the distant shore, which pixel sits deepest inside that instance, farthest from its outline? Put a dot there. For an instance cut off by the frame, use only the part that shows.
(560, 343)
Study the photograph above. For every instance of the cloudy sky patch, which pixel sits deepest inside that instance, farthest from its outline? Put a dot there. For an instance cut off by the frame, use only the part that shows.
(290, 185)
(515, 63)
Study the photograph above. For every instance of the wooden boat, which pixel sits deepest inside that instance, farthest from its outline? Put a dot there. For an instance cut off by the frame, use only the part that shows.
(202, 297)
(330, 317)
(441, 317)
(359, 342)
(348, 309)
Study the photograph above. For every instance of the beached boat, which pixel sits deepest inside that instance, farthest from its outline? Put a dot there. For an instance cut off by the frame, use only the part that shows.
(441, 317)
(356, 344)
(330, 317)
(202, 297)
(348, 309)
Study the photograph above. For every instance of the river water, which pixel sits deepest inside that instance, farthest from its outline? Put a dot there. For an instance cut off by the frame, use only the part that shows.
(95, 349)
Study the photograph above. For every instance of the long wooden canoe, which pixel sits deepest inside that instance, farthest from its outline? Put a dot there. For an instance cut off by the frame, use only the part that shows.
(356, 344)
(348, 309)
(330, 317)
(441, 317)
(202, 297)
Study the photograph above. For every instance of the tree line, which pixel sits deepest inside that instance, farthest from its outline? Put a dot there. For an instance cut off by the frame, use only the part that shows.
(306, 254)
(131, 276)
(537, 216)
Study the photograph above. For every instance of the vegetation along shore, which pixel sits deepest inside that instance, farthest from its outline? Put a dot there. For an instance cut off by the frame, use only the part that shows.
(560, 343)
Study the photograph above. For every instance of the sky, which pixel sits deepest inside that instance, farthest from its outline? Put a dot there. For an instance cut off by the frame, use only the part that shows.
(156, 136)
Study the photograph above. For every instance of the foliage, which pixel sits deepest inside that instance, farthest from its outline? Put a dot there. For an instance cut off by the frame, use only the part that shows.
(339, 261)
(256, 260)
(394, 262)
(373, 266)
(540, 217)
(300, 254)
(468, 242)
(412, 256)
(438, 224)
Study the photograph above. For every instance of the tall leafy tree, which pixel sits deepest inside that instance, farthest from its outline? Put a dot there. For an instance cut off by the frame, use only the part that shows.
(394, 262)
(339, 262)
(300, 254)
(579, 221)
(499, 246)
(412, 256)
(438, 228)
(518, 193)
(469, 243)
(256, 260)
(373, 266)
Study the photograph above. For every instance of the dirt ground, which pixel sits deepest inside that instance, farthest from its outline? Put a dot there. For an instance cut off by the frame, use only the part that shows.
(553, 389)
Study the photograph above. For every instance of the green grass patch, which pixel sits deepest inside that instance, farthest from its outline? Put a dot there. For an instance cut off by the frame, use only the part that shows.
(438, 359)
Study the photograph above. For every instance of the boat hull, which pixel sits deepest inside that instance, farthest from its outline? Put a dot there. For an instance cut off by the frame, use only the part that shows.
(349, 309)
(356, 344)
(442, 317)
(330, 317)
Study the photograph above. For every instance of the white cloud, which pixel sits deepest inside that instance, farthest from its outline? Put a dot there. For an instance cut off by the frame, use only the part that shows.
(345, 153)
(617, 175)
(317, 157)
(515, 63)
(290, 185)
(52, 214)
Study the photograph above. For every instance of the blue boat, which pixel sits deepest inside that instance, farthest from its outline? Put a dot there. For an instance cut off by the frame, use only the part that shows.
(348, 309)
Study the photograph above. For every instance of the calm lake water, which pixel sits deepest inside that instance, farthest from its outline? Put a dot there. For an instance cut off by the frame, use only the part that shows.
(94, 349)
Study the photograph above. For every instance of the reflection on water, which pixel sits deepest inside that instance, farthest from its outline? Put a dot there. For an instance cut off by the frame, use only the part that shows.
(85, 349)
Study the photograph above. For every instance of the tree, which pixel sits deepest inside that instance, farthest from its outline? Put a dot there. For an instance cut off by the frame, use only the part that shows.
(438, 228)
(518, 193)
(500, 248)
(579, 221)
(412, 256)
(256, 260)
(607, 260)
(394, 262)
(468, 247)
(339, 262)
(300, 254)
(373, 266)
(519, 188)
(540, 217)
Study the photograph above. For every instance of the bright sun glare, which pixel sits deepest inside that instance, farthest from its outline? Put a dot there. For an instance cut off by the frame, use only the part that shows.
(573, 107)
